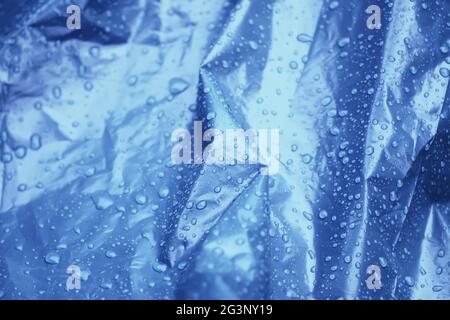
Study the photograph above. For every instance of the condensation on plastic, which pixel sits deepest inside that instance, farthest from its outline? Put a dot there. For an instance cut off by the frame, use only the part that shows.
(87, 180)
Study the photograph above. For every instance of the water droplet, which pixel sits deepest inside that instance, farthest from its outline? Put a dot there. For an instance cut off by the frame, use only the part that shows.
(323, 214)
(159, 267)
(437, 288)
(369, 150)
(253, 45)
(392, 196)
(38, 105)
(201, 205)
(177, 85)
(326, 101)
(132, 81)
(163, 192)
(102, 200)
(383, 262)
(57, 92)
(306, 158)
(444, 72)
(110, 254)
(304, 38)
(334, 131)
(141, 199)
(7, 157)
(409, 281)
(444, 49)
(182, 265)
(94, 51)
(88, 86)
(90, 172)
(35, 142)
(52, 258)
(333, 5)
(106, 285)
(343, 42)
(211, 115)
(20, 152)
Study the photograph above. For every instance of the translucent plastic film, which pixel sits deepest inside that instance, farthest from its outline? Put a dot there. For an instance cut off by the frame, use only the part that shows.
(209, 149)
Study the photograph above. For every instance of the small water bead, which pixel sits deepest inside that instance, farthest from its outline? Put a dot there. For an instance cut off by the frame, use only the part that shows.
(334, 131)
(326, 101)
(306, 158)
(201, 205)
(94, 51)
(163, 192)
(308, 216)
(20, 152)
(393, 196)
(102, 200)
(293, 65)
(57, 92)
(150, 101)
(110, 254)
(444, 49)
(38, 105)
(132, 81)
(141, 199)
(177, 85)
(211, 115)
(323, 214)
(159, 267)
(444, 72)
(304, 38)
(189, 205)
(410, 281)
(333, 5)
(253, 45)
(90, 172)
(343, 42)
(52, 258)
(35, 142)
(88, 86)
(106, 285)
(437, 288)
(383, 262)
(182, 265)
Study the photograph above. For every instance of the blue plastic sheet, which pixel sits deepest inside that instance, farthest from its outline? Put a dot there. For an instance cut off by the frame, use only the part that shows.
(87, 179)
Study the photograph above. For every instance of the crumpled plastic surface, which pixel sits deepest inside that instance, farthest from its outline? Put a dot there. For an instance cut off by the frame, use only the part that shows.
(86, 121)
